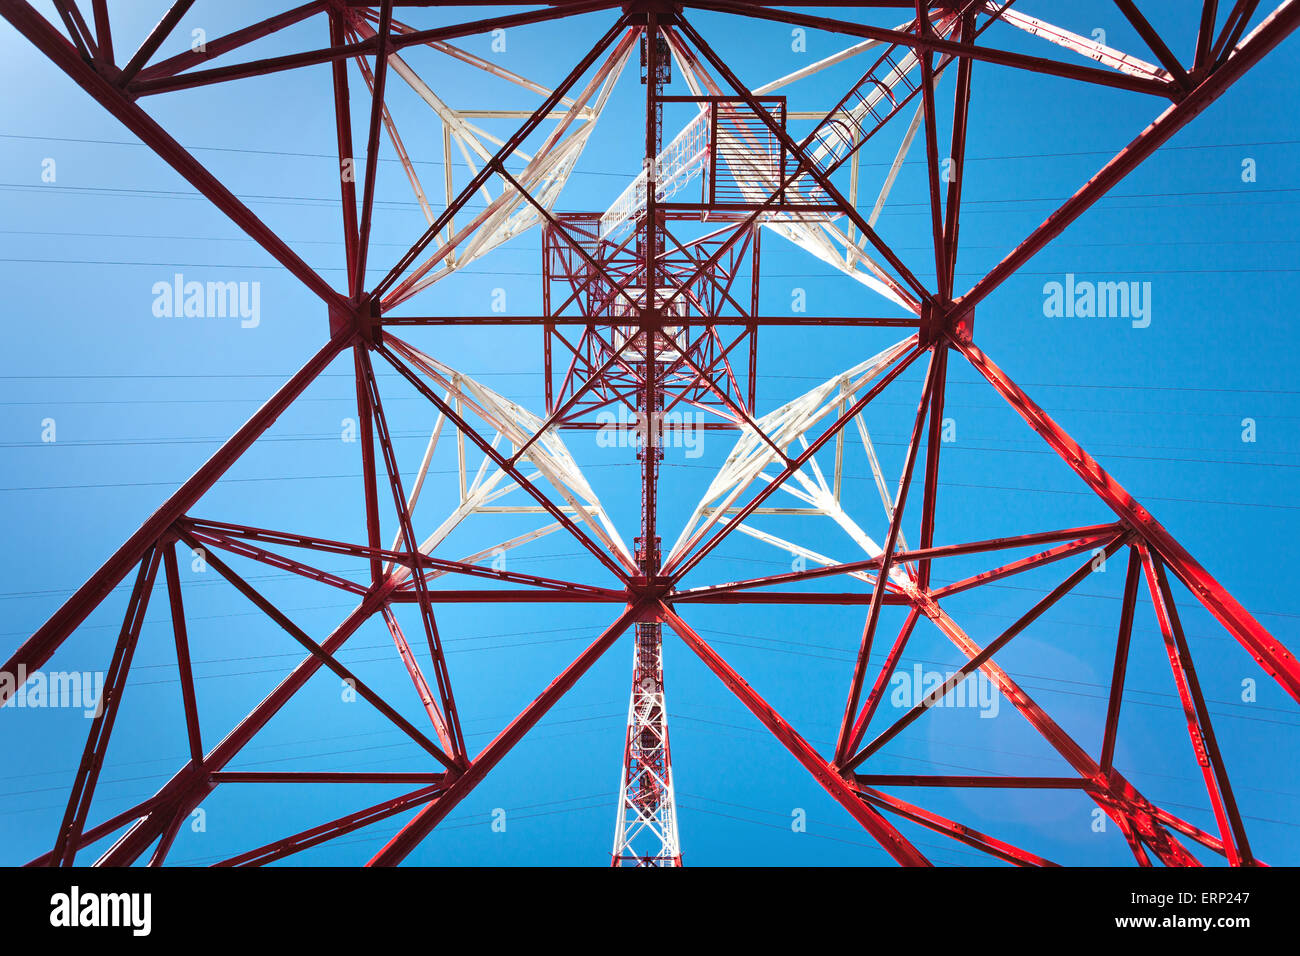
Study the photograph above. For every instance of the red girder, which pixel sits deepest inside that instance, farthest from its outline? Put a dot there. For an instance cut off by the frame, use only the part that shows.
(36, 650)
(1267, 650)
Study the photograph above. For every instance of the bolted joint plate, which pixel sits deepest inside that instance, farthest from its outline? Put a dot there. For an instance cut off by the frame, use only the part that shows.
(363, 319)
(950, 320)
(665, 11)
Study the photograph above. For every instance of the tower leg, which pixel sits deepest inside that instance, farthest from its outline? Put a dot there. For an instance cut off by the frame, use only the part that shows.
(646, 831)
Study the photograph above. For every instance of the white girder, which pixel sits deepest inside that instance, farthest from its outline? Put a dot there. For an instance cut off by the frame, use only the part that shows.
(509, 214)
(1092, 49)
(546, 456)
(677, 164)
(645, 828)
(545, 173)
(787, 426)
(686, 158)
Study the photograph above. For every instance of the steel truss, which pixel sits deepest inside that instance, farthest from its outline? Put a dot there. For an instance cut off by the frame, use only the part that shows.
(647, 317)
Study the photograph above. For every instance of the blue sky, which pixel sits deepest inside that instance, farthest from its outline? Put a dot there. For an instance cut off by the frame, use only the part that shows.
(140, 401)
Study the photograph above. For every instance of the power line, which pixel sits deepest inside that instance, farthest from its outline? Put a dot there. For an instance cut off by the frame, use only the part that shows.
(1019, 677)
(1219, 243)
(893, 209)
(880, 441)
(987, 771)
(534, 274)
(333, 157)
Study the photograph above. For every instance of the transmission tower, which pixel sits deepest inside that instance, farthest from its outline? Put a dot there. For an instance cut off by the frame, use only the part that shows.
(646, 829)
(650, 307)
